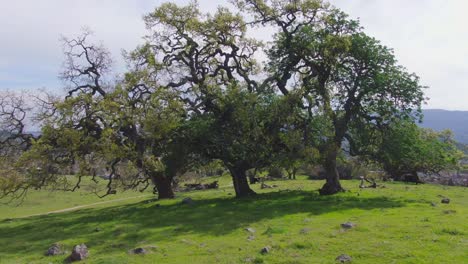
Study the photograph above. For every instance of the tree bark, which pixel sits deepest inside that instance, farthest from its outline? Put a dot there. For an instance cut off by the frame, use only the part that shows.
(239, 179)
(163, 186)
(332, 185)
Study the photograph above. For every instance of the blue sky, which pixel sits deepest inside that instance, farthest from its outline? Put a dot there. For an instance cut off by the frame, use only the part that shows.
(429, 37)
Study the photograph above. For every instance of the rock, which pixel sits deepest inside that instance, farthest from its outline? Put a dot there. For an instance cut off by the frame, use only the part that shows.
(265, 250)
(348, 225)
(304, 231)
(97, 229)
(449, 211)
(138, 251)
(343, 258)
(80, 252)
(187, 200)
(433, 204)
(54, 250)
(250, 230)
(250, 238)
(445, 201)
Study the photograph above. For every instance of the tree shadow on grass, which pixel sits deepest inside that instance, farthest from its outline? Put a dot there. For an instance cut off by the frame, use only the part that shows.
(127, 225)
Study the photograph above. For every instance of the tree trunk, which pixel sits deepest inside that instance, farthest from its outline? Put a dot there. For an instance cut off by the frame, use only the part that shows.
(292, 173)
(163, 186)
(332, 185)
(239, 179)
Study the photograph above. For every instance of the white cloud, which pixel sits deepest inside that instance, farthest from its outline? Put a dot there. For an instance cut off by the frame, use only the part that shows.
(428, 36)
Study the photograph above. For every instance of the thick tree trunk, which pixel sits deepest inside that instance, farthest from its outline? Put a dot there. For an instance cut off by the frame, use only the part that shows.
(239, 179)
(163, 186)
(332, 185)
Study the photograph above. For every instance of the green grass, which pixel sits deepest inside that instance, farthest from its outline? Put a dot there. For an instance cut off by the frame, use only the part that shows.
(396, 224)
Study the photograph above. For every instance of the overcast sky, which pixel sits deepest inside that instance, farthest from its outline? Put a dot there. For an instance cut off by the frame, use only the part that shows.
(429, 37)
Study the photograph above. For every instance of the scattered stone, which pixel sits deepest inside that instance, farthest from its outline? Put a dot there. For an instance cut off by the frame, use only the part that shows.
(348, 225)
(265, 250)
(449, 211)
(250, 230)
(250, 238)
(97, 229)
(54, 250)
(305, 231)
(265, 186)
(445, 201)
(80, 252)
(187, 200)
(343, 258)
(138, 251)
(433, 204)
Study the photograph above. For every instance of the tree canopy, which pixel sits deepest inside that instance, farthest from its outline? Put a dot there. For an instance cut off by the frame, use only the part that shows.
(195, 91)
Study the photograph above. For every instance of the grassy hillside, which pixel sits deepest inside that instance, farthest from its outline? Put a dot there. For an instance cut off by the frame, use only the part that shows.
(395, 224)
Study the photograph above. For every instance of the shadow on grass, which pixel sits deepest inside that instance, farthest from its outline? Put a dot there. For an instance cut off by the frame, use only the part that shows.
(128, 225)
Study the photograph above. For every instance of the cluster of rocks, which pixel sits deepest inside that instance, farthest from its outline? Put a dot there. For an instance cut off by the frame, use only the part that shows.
(448, 178)
(343, 258)
(79, 252)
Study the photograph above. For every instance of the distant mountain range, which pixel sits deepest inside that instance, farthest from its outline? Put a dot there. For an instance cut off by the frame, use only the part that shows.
(457, 121)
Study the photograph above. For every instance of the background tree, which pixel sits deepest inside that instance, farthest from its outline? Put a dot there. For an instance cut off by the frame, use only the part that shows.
(244, 133)
(211, 62)
(129, 125)
(406, 149)
(344, 75)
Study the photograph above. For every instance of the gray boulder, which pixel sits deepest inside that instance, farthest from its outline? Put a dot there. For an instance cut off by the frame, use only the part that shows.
(445, 201)
(138, 251)
(265, 250)
(54, 250)
(343, 258)
(80, 252)
(348, 225)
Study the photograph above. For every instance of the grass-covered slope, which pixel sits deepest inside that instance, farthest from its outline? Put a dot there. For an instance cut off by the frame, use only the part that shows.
(396, 224)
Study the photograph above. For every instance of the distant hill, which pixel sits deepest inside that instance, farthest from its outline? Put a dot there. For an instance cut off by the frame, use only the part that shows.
(457, 121)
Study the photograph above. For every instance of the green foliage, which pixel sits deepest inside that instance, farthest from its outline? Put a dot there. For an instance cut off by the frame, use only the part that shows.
(406, 149)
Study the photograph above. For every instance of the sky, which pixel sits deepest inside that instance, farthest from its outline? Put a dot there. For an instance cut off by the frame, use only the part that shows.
(429, 37)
